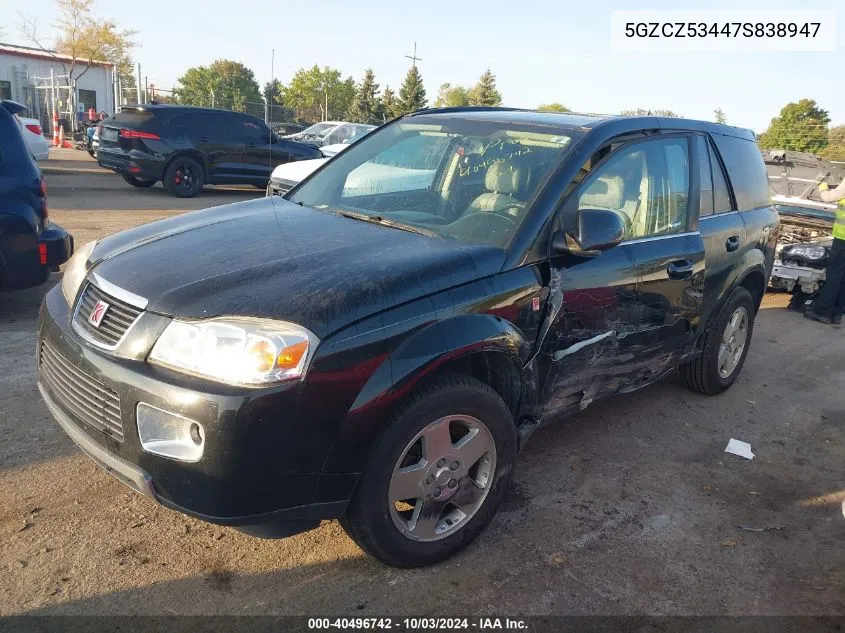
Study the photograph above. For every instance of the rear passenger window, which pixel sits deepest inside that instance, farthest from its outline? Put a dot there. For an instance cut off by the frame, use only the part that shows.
(746, 171)
(721, 195)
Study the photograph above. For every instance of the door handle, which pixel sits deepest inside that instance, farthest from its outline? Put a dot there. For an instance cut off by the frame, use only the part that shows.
(251, 145)
(203, 139)
(732, 243)
(680, 269)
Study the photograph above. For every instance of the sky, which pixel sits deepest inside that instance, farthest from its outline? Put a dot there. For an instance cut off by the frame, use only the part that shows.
(540, 51)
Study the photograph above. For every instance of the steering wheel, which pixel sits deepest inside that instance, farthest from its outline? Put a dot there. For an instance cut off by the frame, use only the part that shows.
(502, 213)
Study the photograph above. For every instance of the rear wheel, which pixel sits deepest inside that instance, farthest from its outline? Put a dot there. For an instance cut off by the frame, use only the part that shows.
(183, 177)
(437, 475)
(725, 346)
(137, 182)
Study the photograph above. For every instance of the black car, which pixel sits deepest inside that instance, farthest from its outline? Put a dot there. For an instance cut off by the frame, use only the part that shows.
(187, 147)
(378, 343)
(31, 246)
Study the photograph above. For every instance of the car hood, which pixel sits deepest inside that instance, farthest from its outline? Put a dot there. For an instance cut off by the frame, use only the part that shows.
(297, 170)
(272, 258)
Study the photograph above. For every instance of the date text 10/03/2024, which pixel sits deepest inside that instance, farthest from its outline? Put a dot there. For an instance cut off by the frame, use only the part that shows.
(417, 624)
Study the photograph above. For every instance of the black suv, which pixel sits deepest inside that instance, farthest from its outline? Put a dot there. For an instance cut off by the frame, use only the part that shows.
(186, 147)
(30, 245)
(377, 344)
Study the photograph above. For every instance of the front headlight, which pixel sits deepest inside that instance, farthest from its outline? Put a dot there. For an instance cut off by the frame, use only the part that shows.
(809, 251)
(237, 350)
(75, 271)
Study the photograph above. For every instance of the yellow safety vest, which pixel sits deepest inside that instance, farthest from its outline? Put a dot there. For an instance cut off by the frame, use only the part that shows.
(839, 223)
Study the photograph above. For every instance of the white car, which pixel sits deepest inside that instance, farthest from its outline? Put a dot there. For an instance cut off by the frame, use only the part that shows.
(366, 179)
(329, 133)
(34, 137)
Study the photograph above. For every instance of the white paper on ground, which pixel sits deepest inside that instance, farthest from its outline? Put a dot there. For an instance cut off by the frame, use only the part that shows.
(743, 449)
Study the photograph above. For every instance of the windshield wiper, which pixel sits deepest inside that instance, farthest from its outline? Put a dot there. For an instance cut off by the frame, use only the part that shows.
(381, 220)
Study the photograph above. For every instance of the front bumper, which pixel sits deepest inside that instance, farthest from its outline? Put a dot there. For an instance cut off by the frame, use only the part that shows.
(256, 474)
(789, 276)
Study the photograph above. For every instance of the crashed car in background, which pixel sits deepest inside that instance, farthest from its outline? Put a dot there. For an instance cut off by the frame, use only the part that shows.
(806, 223)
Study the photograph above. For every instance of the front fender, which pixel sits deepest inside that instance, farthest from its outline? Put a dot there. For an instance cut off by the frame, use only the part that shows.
(415, 358)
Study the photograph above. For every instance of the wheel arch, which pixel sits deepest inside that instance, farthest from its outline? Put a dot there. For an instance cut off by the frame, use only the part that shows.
(485, 347)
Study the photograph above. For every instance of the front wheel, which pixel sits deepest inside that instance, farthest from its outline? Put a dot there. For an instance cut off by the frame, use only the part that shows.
(437, 475)
(183, 177)
(725, 346)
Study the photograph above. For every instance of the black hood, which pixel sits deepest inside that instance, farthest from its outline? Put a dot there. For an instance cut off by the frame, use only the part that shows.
(272, 258)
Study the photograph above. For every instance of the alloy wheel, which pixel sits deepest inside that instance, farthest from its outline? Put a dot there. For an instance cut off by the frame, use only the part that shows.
(442, 478)
(733, 342)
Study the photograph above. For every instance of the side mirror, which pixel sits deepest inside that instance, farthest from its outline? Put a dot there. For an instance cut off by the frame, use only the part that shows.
(273, 138)
(599, 229)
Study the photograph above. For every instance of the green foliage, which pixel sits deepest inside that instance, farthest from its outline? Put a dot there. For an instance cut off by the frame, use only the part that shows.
(450, 96)
(553, 107)
(835, 149)
(319, 94)
(412, 93)
(644, 112)
(719, 116)
(232, 84)
(484, 93)
(365, 106)
(272, 91)
(388, 103)
(801, 127)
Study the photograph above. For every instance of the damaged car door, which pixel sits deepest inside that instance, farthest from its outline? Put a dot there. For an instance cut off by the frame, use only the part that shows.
(628, 296)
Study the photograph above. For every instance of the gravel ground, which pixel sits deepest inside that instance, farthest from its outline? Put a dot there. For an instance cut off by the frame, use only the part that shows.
(631, 507)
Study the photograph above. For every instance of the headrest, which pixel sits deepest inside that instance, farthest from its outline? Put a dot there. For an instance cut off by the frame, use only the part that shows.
(605, 192)
(504, 178)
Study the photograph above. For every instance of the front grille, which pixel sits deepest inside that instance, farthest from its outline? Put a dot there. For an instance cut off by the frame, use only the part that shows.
(80, 395)
(118, 318)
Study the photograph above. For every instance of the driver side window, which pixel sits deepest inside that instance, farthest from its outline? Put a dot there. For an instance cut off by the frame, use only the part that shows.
(647, 183)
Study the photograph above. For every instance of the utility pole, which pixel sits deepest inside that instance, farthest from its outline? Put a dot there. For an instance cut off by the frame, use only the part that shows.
(414, 59)
(138, 84)
(146, 89)
(212, 97)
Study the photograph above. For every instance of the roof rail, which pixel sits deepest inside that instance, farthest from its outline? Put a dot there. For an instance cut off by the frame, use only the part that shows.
(467, 109)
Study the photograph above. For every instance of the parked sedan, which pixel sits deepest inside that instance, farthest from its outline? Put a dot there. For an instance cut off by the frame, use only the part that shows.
(34, 137)
(186, 148)
(330, 133)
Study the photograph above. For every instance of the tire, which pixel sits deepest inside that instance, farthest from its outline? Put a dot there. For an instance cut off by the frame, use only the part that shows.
(137, 182)
(92, 153)
(184, 177)
(479, 485)
(706, 374)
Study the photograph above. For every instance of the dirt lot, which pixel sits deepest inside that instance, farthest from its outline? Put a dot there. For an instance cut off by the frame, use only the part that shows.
(630, 507)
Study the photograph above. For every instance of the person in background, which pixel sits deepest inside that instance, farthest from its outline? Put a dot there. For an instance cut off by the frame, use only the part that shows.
(830, 304)
(92, 114)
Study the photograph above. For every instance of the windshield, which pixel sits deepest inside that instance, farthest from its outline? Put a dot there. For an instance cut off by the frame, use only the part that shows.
(318, 129)
(467, 180)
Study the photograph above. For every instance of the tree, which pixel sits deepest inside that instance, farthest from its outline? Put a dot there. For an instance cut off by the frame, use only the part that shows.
(450, 96)
(224, 84)
(801, 127)
(388, 103)
(272, 91)
(719, 116)
(365, 106)
(553, 107)
(484, 93)
(86, 39)
(315, 94)
(412, 93)
(644, 112)
(835, 149)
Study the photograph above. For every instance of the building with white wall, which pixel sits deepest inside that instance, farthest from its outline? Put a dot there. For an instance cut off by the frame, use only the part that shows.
(25, 78)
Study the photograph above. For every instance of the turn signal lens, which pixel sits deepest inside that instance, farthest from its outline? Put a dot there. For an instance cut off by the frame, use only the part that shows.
(290, 356)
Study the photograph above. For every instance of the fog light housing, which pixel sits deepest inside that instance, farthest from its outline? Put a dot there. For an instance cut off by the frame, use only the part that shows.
(168, 434)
